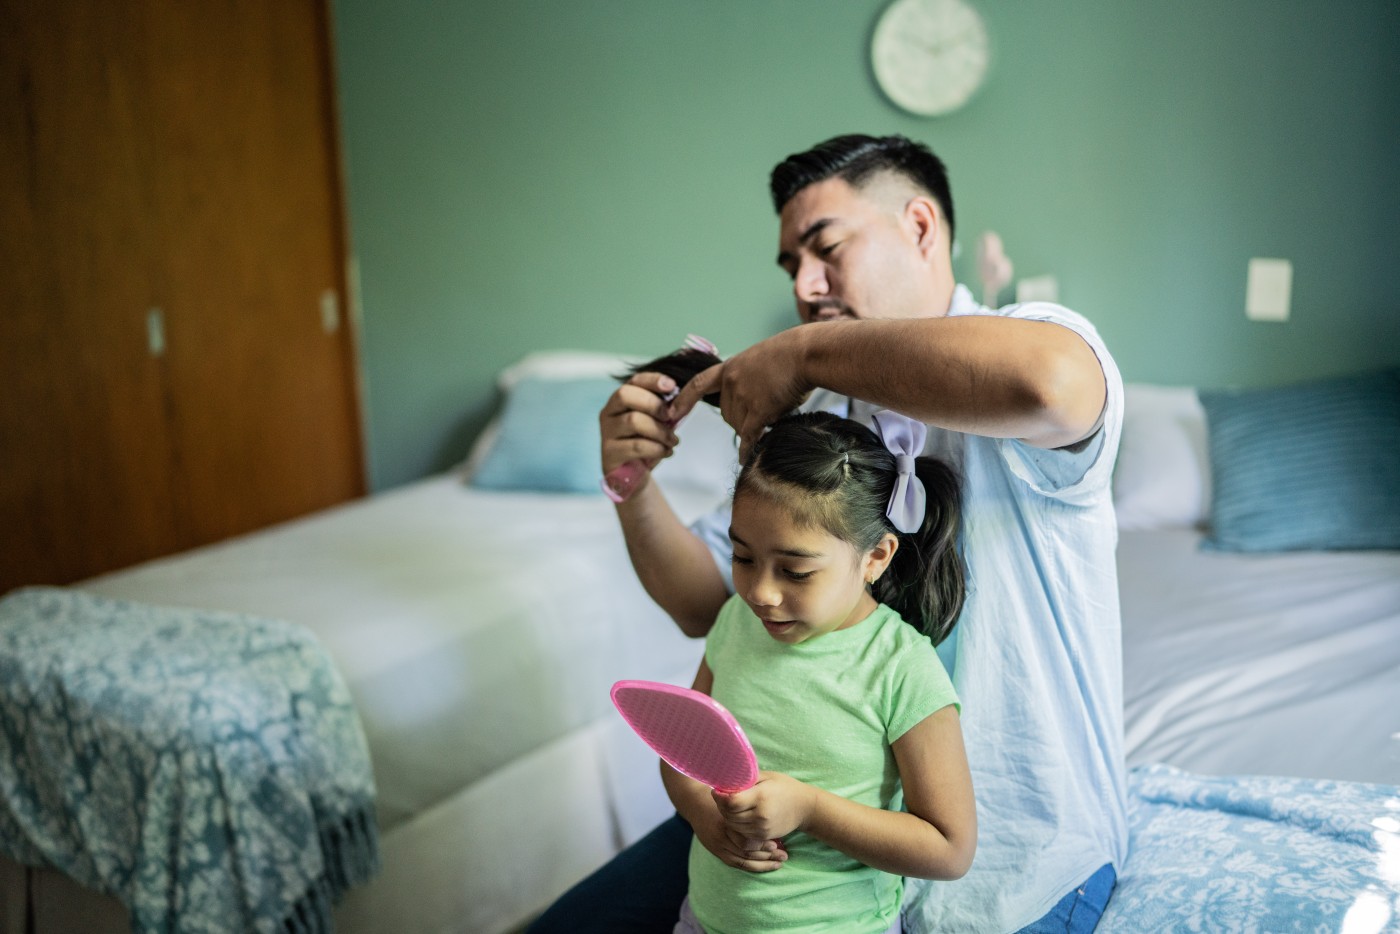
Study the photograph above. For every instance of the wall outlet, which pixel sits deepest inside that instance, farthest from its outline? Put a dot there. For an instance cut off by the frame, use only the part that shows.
(1269, 289)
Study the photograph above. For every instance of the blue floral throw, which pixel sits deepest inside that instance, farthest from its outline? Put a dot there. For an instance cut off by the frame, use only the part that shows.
(205, 768)
(1257, 854)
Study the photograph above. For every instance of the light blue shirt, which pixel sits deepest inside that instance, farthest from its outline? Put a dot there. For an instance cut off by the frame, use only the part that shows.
(1036, 658)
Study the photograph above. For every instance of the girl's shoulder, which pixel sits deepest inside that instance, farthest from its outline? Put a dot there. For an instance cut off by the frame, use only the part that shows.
(910, 653)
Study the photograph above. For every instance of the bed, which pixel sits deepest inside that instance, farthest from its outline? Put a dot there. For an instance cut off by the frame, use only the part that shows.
(479, 617)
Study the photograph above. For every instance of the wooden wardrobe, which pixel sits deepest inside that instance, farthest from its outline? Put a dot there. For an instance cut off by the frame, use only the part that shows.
(177, 360)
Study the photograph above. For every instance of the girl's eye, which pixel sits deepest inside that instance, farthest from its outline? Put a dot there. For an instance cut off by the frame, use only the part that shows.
(827, 250)
(799, 575)
(735, 559)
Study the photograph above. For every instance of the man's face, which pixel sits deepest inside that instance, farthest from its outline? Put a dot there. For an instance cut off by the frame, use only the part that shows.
(854, 253)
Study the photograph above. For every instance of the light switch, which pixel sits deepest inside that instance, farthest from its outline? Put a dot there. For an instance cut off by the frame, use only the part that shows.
(1269, 290)
(1038, 289)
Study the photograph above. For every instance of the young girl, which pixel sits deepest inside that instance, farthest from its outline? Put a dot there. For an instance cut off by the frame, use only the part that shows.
(846, 574)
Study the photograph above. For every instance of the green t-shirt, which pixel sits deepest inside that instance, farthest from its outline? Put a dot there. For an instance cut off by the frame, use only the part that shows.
(824, 711)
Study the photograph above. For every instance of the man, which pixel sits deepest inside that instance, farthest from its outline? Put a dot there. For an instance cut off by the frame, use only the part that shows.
(1026, 403)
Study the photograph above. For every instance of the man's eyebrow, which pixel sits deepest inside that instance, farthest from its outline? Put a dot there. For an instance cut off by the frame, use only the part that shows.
(816, 227)
(786, 552)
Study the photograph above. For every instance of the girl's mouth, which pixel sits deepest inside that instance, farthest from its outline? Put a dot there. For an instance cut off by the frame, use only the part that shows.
(778, 628)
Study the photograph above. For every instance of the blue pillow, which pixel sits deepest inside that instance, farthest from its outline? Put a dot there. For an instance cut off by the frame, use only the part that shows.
(548, 437)
(1310, 466)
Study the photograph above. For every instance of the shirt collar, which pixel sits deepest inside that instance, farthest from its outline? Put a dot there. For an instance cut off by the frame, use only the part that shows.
(963, 303)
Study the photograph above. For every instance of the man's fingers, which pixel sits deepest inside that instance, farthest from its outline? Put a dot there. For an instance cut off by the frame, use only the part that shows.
(747, 439)
(700, 385)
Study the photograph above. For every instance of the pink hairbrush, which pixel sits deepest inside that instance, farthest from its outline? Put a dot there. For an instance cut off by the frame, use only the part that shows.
(621, 482)
(691, 731)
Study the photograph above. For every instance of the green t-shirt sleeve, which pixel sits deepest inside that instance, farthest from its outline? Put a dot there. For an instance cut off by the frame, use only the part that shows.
(919, 687)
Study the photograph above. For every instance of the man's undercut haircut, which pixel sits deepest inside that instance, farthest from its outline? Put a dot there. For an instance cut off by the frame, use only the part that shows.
(855, 159)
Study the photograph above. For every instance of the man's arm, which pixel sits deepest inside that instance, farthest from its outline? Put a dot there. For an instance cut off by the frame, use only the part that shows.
(980, 374)
(673, 564)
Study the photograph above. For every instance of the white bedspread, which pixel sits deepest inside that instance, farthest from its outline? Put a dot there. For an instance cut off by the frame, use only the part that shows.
(435, 599)
(1279, 664)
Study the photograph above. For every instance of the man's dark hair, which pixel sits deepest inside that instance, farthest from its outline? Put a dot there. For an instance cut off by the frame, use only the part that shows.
(855, 158)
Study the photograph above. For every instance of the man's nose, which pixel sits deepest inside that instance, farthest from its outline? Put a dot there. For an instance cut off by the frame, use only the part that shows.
(810, 282)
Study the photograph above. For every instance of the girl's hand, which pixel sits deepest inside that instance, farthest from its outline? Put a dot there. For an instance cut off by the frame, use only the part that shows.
(635, 422)
(770, 809)
(735, 850)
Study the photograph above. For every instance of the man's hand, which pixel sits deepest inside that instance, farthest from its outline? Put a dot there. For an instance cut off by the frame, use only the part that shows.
(635, 423)
(756, 387)
(770, 809)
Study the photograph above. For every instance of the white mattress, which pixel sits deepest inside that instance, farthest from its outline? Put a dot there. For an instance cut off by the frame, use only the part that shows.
(472, 628)
(1278, 664)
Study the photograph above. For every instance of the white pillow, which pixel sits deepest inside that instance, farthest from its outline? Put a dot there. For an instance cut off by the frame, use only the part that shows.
(707, 459)
(564, 364)
(1162, 478)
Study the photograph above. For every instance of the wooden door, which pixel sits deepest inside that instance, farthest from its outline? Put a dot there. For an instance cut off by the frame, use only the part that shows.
(82, 423)
(263, 416)
(171, 222)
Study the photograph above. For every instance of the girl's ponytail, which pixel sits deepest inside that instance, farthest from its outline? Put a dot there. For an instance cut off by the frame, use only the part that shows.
(926, 582)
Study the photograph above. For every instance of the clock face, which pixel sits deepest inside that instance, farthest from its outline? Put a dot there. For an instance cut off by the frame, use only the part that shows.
(929, 56)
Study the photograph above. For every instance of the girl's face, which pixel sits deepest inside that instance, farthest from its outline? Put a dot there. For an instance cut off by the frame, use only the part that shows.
(802, 582)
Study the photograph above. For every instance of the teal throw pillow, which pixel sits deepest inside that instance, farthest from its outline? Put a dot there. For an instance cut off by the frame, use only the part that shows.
(547, 437)
(1311, 466)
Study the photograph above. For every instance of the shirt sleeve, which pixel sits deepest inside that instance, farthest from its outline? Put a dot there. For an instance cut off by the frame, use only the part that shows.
(920, 686)
(1082, 473)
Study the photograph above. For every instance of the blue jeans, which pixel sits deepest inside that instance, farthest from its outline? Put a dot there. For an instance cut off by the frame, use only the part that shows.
(1080, 910)
(641, 889)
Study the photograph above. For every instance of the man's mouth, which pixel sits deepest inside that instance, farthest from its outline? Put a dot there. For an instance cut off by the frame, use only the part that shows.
(829, 311)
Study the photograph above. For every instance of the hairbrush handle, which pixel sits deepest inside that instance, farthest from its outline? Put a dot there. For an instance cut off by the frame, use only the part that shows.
(622, 481)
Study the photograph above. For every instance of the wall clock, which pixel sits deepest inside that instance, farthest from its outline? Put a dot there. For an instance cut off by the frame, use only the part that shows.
(930, 56)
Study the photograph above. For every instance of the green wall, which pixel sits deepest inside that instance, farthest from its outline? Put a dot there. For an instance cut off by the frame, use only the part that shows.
(529, 174)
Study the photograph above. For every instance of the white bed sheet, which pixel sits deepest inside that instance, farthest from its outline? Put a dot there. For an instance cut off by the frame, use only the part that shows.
(1277, 664)
(471, 627)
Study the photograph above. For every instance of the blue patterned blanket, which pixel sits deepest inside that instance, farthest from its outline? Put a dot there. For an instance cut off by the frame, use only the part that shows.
(1246, 854)
(207, 769)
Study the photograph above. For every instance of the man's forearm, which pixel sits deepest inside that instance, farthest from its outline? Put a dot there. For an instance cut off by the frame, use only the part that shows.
(673, 564)
(985, 375)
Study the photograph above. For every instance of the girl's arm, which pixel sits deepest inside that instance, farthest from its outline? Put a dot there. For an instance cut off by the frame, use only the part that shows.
(694, 803)
(935, 839)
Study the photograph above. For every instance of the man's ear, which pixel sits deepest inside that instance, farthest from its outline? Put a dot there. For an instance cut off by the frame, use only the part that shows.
(925, 222)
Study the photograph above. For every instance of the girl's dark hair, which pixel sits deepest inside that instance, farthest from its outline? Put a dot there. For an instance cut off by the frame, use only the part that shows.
(836, 474)
(682, 366)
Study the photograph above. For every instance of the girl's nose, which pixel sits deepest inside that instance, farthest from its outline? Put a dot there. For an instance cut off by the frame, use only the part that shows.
(762, 592)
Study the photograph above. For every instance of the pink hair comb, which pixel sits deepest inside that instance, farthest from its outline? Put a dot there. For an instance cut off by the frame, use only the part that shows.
(691, 731)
